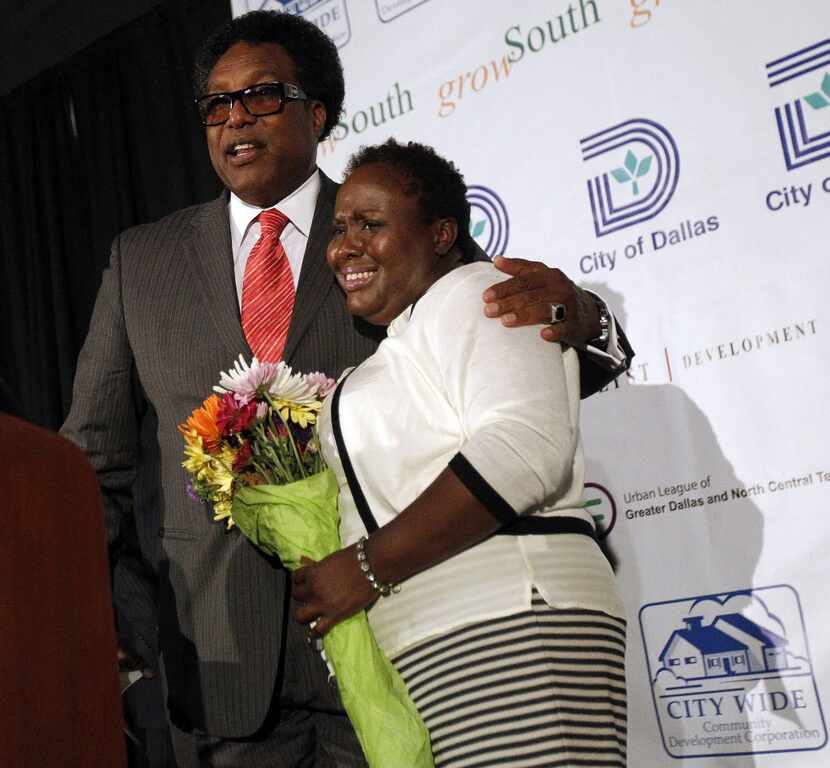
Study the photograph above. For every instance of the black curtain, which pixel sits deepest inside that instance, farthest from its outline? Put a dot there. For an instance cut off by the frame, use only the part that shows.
(94, 145)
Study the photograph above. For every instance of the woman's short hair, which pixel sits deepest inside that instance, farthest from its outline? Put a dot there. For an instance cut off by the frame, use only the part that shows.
(437, 183)
(314, 55)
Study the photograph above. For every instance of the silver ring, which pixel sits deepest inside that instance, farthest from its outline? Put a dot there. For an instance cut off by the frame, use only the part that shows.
(557, 313)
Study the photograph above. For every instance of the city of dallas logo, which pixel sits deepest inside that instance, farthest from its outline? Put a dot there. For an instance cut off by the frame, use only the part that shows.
(489, 224)
(637, 174)
(331, 16)
(730, 674)
(804, 120)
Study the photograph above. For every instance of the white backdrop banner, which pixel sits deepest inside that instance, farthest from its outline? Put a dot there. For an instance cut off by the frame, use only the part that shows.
(674, 156)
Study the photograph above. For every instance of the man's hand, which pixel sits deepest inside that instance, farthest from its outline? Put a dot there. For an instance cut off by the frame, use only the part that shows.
(131, 669)
(526, 298)
(129, 661)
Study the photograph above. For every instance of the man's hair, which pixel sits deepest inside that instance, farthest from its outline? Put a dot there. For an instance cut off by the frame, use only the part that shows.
(435, 181)
(314, 55)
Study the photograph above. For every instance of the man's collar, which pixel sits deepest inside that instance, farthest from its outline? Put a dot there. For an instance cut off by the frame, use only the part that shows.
(298, 207)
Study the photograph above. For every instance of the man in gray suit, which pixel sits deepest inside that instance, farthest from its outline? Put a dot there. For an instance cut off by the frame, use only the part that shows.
(244, 687)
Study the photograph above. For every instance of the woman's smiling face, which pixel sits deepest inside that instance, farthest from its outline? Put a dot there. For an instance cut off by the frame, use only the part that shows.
(384, 254)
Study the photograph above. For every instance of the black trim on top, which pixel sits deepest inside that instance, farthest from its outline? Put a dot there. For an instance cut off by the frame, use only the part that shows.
(481, 489)
(354, 486)
(533, 525)
(513, 524)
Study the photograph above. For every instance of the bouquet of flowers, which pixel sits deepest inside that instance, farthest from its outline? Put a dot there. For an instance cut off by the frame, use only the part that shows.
(258, 428)
(253, 453)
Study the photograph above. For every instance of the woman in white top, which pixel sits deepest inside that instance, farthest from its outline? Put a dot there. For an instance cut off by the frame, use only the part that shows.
(457, 449)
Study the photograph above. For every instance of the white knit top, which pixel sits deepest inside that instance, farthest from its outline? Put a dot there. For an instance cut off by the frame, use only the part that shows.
(449, 381)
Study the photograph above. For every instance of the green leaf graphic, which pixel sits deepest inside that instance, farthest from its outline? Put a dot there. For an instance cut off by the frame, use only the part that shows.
(631, 161)
(816, 100)
(825, 85)
(645, 165)
(620, 175)
(477, 228)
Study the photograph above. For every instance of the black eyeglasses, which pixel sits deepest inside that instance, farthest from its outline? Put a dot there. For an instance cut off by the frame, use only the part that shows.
(258, 100)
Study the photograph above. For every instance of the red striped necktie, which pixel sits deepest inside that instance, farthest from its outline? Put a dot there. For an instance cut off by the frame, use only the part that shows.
(268, 290)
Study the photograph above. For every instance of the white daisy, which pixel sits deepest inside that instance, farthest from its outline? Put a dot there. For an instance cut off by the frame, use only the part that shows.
(292, 387)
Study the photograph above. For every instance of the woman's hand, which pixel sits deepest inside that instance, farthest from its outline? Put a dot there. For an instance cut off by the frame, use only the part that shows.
(443, 521)
(330, 591)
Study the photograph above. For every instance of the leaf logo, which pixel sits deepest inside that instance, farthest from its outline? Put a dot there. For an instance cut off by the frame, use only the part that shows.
(801, 127)
(632, 171)
(818, 100)
(477, 227)
(650, 151)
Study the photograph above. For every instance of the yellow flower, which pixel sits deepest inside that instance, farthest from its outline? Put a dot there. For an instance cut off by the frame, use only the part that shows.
(223, 476)
(300, 413)
(222, 510)
(214, 472)
(196, 457)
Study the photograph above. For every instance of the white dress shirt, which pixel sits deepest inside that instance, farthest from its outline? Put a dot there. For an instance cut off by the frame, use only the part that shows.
(298, 207)
(449, 381)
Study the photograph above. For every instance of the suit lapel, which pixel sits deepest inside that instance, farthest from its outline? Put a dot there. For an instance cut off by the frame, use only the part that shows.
(316, 279)
(208, 247)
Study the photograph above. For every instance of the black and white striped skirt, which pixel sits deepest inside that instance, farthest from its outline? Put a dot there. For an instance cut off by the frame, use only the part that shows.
(544, 687)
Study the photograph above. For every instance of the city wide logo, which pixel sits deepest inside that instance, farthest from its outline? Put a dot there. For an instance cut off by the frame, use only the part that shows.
(391, 9)
(803, 121)
(489, 224)
(331, 16)
(730, 674)
(637, 166)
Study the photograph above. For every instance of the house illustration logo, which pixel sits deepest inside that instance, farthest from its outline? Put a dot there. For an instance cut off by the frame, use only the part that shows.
(601, 505)
(802, 81)
(730, 674)
(637, 167)
(489, 224)
(331, 16)
(389, 10)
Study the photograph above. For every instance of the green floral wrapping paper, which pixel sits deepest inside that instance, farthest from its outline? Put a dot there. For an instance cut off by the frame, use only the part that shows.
(301, 520)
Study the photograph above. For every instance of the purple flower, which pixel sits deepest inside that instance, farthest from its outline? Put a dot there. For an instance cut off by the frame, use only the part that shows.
(244, 380)
(191, 491)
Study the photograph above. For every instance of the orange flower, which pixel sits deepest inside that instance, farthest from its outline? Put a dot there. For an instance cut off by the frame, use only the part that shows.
(203, 422)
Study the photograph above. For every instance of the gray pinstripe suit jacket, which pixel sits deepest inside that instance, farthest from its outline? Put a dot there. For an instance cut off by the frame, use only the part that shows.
(166, 321)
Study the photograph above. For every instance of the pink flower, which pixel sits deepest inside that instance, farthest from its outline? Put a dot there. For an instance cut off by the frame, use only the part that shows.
(244, 380)
(322, 383)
